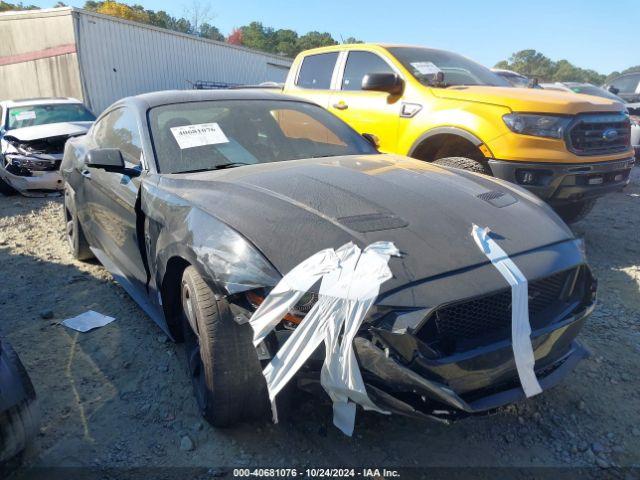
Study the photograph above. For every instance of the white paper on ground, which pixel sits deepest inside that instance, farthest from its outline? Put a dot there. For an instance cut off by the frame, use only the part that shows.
(426, 68)
(87, 321)
(520, 326)
(190, 136)
(350, 283)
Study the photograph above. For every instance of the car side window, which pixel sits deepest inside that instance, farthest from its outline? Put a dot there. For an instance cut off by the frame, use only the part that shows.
(119, 129)
(360, 64)
(316, 71)
(627, 83)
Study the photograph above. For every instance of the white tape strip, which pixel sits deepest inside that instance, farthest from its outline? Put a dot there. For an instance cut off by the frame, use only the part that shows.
(520, 326)
(351, 282)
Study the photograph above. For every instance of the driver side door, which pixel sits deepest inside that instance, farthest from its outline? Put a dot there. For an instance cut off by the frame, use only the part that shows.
(112, 196)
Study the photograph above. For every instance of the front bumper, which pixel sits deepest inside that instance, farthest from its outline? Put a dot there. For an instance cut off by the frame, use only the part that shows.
(37, 184)
(561, 183)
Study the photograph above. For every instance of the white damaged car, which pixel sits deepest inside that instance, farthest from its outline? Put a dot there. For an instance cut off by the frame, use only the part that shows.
(33, 133)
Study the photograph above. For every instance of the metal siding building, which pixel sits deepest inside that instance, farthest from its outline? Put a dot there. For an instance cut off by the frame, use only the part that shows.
(100, 59)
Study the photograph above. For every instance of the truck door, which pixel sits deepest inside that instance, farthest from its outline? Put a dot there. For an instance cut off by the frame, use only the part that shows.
(376, 113)
(314, 78)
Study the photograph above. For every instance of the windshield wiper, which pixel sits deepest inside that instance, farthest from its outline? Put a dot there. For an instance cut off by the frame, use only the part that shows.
(216, 167)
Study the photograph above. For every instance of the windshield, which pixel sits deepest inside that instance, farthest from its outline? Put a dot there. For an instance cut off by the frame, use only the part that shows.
(596, 91)
(514, 79)
(425, 63)
(30, 115)
(209, 135)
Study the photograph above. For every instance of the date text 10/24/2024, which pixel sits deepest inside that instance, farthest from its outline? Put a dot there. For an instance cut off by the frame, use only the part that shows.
(373, 473)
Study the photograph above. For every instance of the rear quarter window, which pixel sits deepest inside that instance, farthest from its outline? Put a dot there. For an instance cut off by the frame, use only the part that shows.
(316, 71)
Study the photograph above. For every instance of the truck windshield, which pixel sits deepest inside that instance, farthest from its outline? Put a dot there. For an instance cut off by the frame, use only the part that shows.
(213, 135)
(425, 63)
(30, 115)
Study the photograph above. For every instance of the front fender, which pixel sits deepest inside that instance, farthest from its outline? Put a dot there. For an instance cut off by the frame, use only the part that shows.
(225, 258)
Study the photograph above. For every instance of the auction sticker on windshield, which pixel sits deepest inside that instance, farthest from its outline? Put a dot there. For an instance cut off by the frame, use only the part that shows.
(28, 115)
(190, 136)
(426, 68)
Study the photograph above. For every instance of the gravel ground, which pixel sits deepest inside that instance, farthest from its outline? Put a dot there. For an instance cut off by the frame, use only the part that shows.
(119, 396)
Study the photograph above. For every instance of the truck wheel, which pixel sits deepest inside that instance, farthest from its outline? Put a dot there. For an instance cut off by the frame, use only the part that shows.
(222, 362)
(574, 212)
(75, 236)
(19, 423)
(464, 163)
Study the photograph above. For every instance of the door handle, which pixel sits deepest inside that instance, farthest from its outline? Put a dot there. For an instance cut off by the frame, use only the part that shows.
(85, 173)
(340, 105)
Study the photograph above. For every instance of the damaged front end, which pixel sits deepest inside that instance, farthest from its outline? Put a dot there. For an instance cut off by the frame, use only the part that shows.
(31, 165)
(456, 358)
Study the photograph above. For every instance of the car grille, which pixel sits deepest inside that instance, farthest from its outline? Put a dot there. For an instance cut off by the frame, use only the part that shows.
(588, 134)
(453, 326)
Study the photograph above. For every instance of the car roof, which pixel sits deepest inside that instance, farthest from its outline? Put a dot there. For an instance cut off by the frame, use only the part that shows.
(168, 97)
(27, 102)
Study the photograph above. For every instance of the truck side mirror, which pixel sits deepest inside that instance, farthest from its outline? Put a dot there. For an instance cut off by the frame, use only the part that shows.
(109, 159)
(613, 90)
(390, 83)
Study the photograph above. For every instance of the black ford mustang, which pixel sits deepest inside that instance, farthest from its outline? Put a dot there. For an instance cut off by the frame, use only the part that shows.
(199, 201)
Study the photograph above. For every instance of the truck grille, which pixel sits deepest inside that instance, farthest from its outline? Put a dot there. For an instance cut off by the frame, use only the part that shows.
(455, 325)
(599, 134)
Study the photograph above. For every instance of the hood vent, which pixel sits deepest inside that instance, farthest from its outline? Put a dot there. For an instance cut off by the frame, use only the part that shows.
(373, 222)
(497, 199)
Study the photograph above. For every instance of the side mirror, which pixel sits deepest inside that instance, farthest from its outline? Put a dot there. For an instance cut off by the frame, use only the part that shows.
(390, 83)
(109, 159)
(613, 90)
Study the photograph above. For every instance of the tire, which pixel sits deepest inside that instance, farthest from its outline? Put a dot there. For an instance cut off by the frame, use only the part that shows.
(222, 362)
(6, 189)
(464, 163)
(19, 423)
(574, 212)
(73, 231)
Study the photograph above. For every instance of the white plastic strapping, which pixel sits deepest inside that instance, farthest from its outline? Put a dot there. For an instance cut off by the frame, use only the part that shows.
(351, 280)
(520, 326)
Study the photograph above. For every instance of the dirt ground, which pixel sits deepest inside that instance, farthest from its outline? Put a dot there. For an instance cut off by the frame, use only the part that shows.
(119, 397)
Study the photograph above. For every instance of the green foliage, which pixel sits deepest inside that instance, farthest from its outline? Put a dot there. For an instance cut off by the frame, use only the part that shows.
(534, 64)
(5, 7)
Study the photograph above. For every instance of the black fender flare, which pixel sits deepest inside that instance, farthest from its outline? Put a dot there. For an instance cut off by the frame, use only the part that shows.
(460, 132)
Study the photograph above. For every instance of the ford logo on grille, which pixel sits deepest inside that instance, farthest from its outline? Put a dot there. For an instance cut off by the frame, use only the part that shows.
(610, 134)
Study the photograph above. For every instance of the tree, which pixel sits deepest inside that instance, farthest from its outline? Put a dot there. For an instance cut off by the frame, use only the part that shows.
(315, 40)
(235, 37)
(259, 37)
(7, 7)
(286, 43)
(122, 10)
(352, 40)
(198, 14)
(210, 32)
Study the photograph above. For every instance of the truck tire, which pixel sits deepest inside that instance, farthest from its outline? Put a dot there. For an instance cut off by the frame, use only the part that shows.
(574, 212)
(73, 230)
(222, 362)
(464, 163)
(19, 423)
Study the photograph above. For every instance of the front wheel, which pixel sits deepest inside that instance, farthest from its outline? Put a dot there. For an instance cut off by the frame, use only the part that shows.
(464, 163)
(76, 240)
(574, 212)
(222, 362)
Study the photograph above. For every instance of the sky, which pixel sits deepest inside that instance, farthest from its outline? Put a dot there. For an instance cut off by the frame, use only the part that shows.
(589, 33)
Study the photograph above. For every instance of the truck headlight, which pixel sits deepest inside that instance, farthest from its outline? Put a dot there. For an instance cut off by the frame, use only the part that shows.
(549, 126)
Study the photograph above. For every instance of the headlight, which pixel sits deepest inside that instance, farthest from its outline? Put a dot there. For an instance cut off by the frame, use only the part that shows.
(537, 125)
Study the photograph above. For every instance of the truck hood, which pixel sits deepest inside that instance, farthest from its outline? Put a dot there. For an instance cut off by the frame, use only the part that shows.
(38, 132)
(291, 210)
(530, 99)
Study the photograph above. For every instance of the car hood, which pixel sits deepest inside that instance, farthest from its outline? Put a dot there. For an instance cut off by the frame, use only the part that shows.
(530, 99)
(290, 210)
(38, 132)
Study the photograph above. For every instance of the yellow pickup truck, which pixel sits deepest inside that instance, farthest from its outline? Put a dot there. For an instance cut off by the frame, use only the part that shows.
(443, 108)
